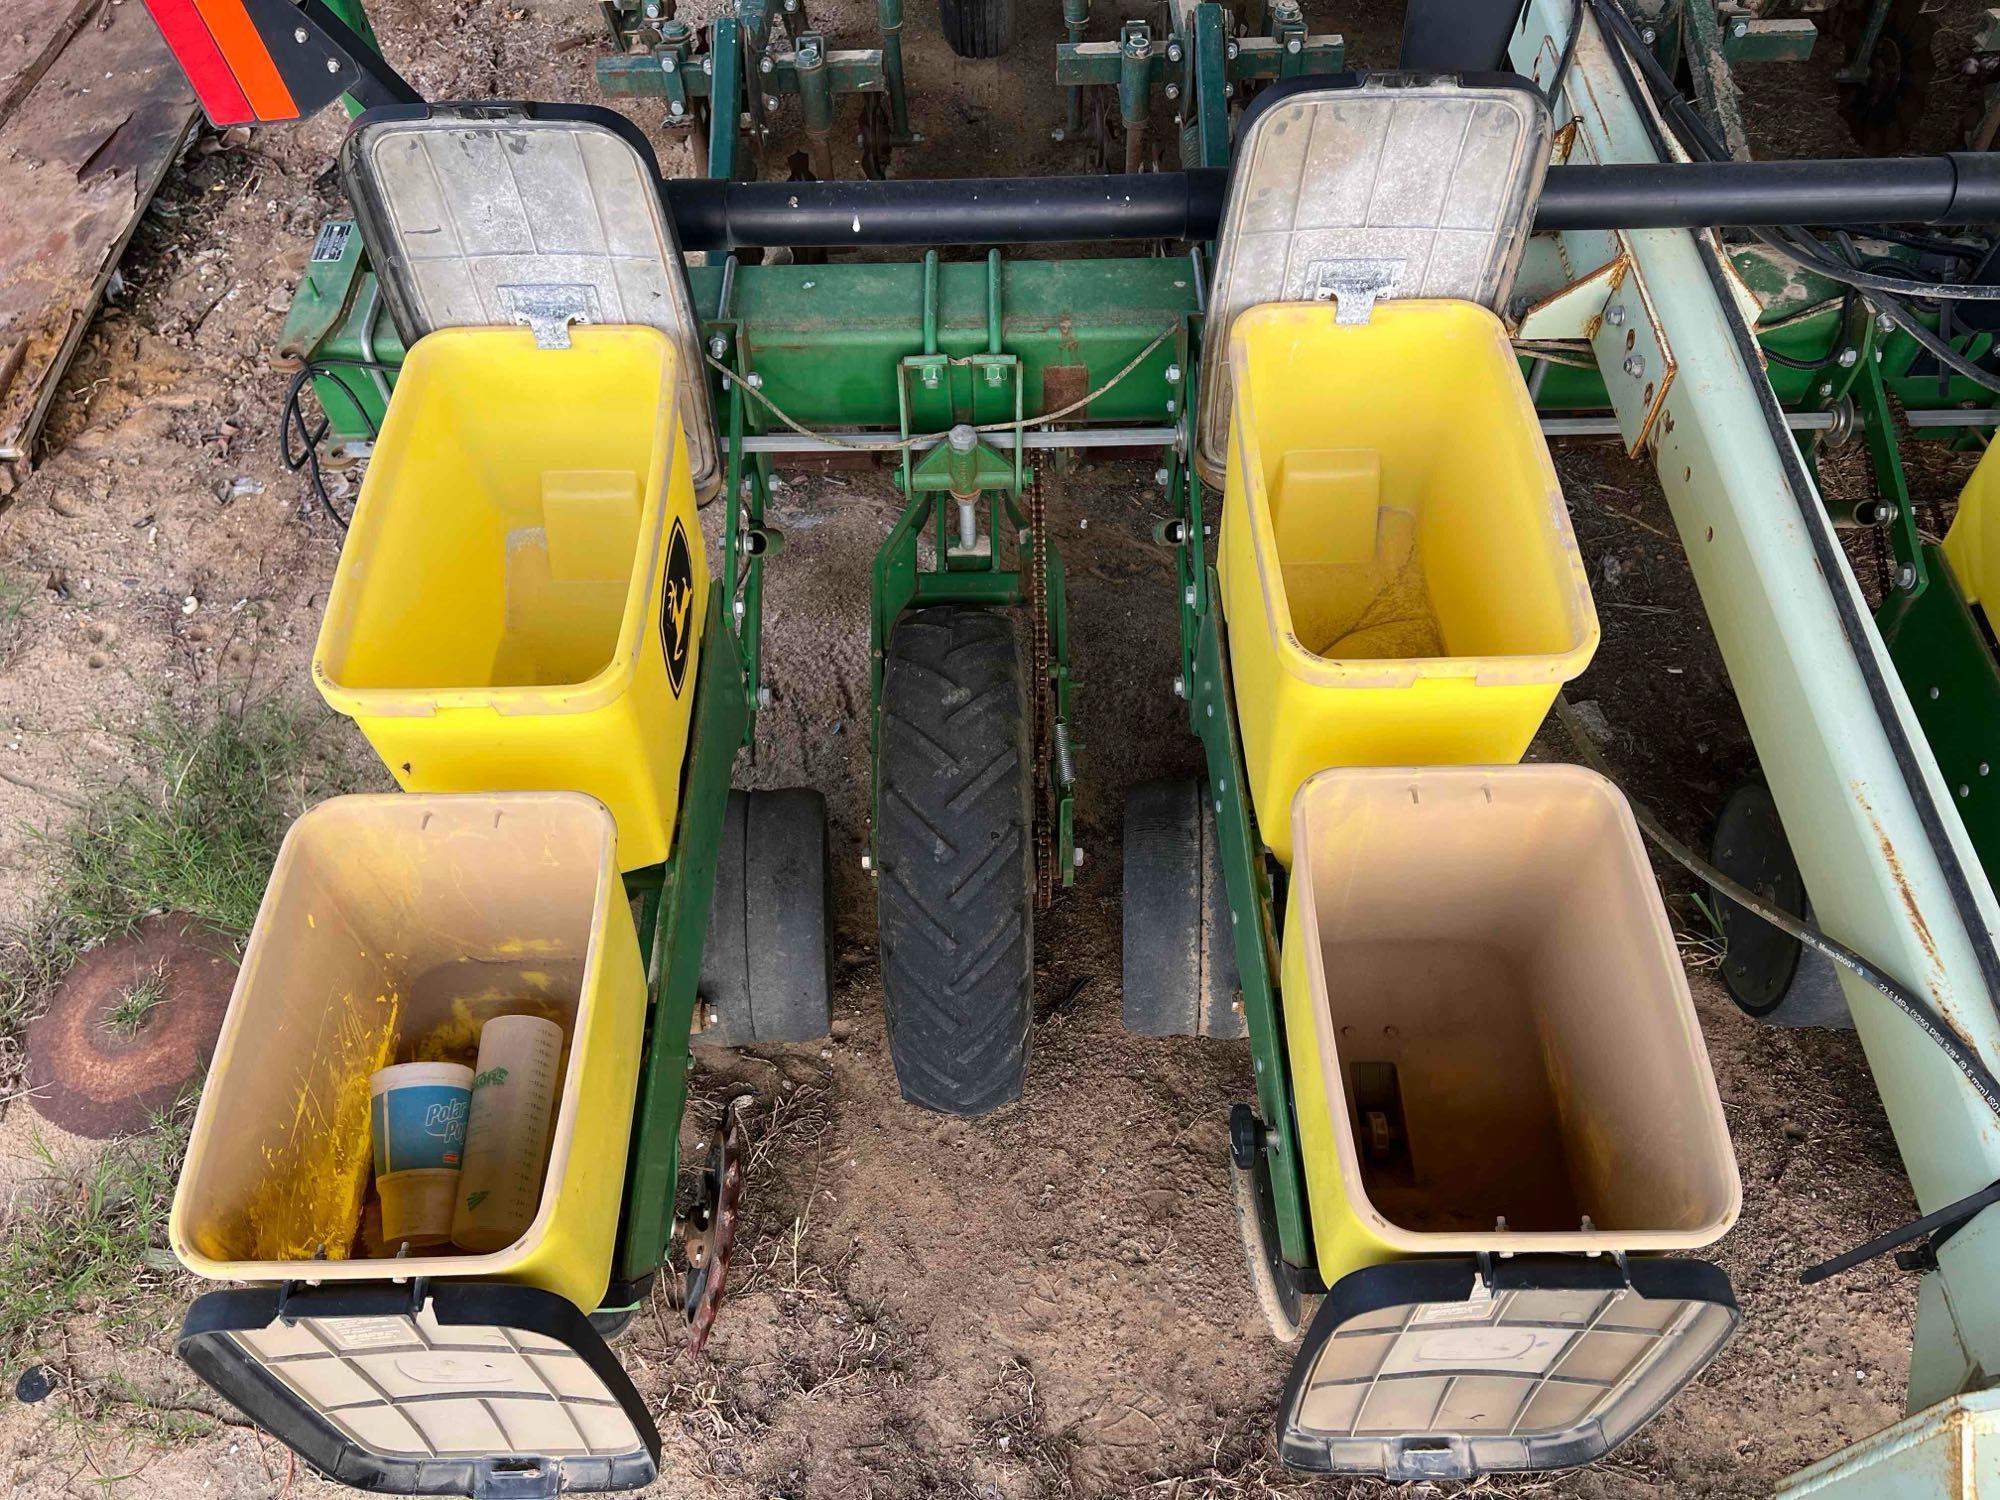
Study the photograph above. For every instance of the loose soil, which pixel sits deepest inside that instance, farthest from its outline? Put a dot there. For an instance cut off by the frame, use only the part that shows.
(1048, 1301)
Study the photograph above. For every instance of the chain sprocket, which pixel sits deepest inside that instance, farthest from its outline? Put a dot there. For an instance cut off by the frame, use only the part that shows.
(711, 1234)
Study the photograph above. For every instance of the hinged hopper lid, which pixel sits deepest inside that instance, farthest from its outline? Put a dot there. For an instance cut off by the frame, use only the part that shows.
(478, 215)
(1360, 187)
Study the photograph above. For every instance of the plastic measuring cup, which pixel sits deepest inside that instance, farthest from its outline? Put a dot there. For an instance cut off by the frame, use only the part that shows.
(507, 1138)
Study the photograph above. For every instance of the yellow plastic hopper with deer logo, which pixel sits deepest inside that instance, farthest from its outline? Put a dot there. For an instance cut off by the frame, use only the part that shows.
(519, 604)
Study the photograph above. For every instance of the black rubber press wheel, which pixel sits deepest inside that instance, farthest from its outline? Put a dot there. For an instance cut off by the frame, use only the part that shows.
(977, 28)
(1179, 947)
(1770, 974)
(954, 891)
(765, 965)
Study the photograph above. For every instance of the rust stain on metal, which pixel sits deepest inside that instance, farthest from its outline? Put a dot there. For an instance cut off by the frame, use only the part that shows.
(1654, 395)
(1062, 384)
(1895, 864)
(98, 1075)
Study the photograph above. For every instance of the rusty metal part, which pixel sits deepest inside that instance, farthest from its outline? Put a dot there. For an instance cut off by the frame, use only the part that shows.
(711, 1235)
(95, 1077)
(1135, 146)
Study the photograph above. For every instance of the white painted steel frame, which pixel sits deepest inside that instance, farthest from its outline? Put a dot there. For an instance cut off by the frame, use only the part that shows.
(1882, 850)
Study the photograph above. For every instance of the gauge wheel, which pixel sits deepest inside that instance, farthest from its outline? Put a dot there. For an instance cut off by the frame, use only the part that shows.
(1286, 1305)
(954, 887)
(1771, 975)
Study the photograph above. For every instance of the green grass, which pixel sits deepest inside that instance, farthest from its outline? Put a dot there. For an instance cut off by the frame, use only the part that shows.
(137, 1003)
(195, 831)
(14, 596)
(200, 835)
(83, 1248)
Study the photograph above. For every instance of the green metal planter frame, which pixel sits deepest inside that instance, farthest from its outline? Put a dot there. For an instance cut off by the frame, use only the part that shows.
(1864, 771)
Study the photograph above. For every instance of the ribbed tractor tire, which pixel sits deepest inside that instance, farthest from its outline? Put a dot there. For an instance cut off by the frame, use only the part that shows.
(977, 28)
(954, 892)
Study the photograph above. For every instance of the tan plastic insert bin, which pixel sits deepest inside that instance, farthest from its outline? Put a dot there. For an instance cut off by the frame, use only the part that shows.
(1491, 1038)
(392, 924)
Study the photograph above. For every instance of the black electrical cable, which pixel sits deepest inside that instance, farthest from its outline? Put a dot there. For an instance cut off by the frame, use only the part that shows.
(1791, 241)
(1832, 354)
(1929, 243)
(1947, 1219)
(1915, 1007)
(293, 425)
(1554, 94)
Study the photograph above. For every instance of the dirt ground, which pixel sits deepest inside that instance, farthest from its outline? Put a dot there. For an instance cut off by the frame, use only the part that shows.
(1046, 1302)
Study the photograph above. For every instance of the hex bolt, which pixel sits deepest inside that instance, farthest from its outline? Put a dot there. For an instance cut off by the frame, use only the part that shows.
(299, 36)
(770, 101)
(1188, 597)
(1172, 407)
(708, 65)
(1231, 51)
(737, 610)
(765, 65)
(667, 63)
(1294, 46)
(1076, 856)
(1229, 91)
(1635, 365)
(1826, 388)
(1173, 52)
(1905, 576)
(333, 65)
(717, 346)
(1848, 358)
(1648, 35)
(1615, 315)
(867, 863)
(963, 437)
(674, 107)
(1173, 92)
(1180, 687)
(1058, 135)
(754, 381)
(1884, 322)
(1160, 476)
(1173, 374)
(1964, 791)
(763, 697)
(1739, 28)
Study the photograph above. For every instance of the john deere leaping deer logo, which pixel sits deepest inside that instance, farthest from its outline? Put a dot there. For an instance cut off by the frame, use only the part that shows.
(677, 611)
